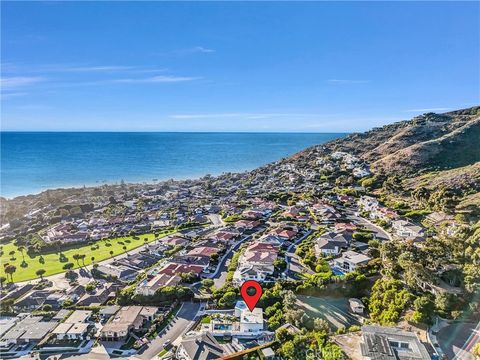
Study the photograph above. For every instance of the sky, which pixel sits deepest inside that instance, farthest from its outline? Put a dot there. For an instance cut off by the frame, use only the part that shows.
(234, 66)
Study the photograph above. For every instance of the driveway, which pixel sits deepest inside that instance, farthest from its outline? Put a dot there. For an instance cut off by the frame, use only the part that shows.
(177, 327)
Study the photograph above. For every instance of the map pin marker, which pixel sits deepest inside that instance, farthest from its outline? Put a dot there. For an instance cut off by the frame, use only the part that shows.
(251, 292)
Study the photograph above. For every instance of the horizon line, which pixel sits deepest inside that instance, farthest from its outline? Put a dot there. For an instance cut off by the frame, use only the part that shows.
(178, 132)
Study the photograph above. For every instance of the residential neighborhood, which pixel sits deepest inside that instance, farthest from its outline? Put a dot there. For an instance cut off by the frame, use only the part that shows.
(183, 251)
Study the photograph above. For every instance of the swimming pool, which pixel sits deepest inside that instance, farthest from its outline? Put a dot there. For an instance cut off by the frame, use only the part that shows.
(336, 271)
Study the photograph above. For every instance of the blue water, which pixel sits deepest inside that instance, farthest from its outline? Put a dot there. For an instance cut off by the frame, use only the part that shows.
(33, 162)
(336, 271)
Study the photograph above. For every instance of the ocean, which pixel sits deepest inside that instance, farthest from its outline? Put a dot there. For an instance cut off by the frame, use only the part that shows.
(32, 162)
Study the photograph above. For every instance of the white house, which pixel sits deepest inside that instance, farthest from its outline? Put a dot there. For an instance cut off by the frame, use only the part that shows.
(407, 230)
(148, 287)
(252, 272)
(75, 327)
(350, 261)
(250, 321)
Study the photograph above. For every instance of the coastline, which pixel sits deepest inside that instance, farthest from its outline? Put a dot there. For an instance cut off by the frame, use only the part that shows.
(34, 162)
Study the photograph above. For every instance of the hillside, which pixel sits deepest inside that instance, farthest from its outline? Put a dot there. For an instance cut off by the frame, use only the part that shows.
(425, 143)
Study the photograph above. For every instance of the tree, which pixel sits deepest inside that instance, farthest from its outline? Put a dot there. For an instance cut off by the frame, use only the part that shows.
(280, 264)
(444, 302)
(424, 310)
(282, 335)
(228, 299)
(124, 249)
(40, 272)
(22, 249)
(93, 259)
(82, 257)
(388, 300)
(294, 317)
(2, 280)
(476, 351)
(111, 252)
(68, 266)
(12, 254)
(6, 305)
(76, 257)
(207, 284)
(321, 325)
(10, 269)
(288, 350)
(289, 299)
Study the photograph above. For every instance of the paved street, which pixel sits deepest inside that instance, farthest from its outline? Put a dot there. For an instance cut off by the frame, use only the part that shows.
(173, 331)
(294, 265)
(220, 276)
(380, 234)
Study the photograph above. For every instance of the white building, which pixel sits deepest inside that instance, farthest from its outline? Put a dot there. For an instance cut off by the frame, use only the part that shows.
(250, 321)
(407, 230)
(350, 261)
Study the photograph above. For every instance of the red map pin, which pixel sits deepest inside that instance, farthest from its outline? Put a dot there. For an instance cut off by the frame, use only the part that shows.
(251, 292)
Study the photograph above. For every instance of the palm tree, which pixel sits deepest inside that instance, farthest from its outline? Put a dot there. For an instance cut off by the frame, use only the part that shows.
(82, 257)
(40, 272)
(111, 252)
(10, 269)
(124, 249)
(12, 253)
(2, 280)
(76, 257)
(22, 249)
(93, 259)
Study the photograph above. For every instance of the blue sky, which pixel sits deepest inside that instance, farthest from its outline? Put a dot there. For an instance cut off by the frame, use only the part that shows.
(234, 66)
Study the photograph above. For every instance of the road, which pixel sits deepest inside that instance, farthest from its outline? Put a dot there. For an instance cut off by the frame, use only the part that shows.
(380, 234)
(294, 265)
(174, 330)
(220, 275)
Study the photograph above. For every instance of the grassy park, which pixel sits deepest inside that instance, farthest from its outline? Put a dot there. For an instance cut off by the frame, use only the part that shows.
(54, 262)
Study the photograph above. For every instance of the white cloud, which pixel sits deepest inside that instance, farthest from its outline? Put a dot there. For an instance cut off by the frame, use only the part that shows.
(76, 68)
(19, 81)
(188, 51)
(200, 49)
(157, 79)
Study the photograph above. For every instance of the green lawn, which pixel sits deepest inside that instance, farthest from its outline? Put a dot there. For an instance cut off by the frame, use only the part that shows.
(51, 262)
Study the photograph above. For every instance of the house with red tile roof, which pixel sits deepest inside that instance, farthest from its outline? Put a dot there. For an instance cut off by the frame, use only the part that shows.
(203, 251)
